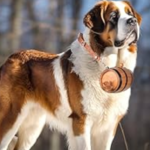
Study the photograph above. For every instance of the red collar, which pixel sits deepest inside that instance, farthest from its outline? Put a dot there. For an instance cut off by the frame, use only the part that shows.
(87, 47)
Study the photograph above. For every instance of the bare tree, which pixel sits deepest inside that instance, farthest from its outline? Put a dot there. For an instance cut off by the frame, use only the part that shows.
(35, 30)
(59, 14)
(16, 21)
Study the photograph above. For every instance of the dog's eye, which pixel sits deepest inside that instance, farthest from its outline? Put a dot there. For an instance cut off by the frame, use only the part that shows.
(113, 17)
(130, 13)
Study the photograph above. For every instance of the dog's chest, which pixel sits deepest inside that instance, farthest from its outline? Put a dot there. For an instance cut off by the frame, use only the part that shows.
(95, 101)
(99, 104)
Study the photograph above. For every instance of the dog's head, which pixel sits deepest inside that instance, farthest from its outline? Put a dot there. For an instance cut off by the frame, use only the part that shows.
(113, 23)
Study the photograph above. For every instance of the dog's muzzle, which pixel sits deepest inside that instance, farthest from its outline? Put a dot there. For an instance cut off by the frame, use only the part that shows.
(130, 31)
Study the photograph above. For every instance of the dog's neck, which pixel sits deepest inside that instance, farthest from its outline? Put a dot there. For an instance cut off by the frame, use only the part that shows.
(111, 57)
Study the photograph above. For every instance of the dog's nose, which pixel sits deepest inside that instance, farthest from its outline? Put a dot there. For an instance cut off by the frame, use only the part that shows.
(132, 21)
(119, 43)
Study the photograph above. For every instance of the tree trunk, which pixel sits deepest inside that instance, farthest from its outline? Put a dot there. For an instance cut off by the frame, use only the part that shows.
(35, 29)
(76, 10)
(59, 24)
(16, 20)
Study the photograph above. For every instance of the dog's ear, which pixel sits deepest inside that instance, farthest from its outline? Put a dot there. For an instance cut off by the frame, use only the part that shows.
(95, 19)
(139, 18)
(137, 15)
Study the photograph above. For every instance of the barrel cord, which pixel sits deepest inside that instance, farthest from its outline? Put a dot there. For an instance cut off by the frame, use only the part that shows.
(124, 137)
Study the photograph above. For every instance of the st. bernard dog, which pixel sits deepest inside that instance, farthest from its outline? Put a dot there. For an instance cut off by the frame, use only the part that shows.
(64, 89)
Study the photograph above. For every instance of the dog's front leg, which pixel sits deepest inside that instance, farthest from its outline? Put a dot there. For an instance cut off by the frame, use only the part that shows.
(102, 140)
(84, 140)
(81, 131)
(102, 136)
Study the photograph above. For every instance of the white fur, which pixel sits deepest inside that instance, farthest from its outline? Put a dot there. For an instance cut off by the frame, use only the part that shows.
(84, 140)
(89, 71)
(58, 75)
(13, 143)
(122, 20)
(63, 111)
(103, 137)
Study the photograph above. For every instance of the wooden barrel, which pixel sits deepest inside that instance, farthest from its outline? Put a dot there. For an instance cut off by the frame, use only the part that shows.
(114, 80)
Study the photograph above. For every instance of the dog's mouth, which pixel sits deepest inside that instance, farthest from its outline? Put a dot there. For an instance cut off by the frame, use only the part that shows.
(130, 39)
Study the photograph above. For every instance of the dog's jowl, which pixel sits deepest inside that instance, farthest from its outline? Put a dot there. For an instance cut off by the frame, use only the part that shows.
(63, 90)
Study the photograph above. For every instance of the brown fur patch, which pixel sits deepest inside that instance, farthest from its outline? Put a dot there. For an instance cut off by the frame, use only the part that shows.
(132, 48)
(27, 75)
(98, 42)
(74, 87)
(45, 90)
(128, 10)
(12, 93)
